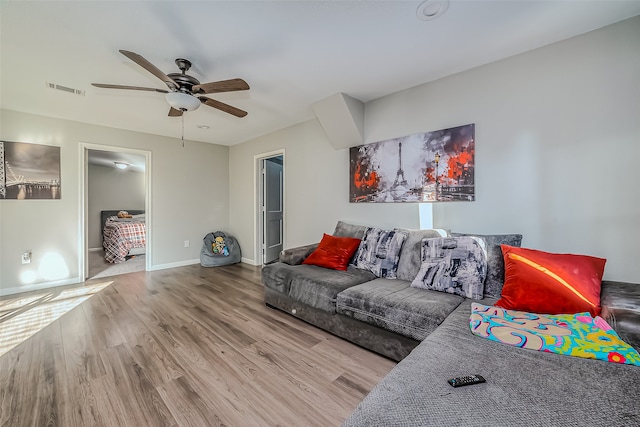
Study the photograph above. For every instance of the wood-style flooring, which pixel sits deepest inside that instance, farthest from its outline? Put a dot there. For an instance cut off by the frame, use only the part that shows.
(188, 346)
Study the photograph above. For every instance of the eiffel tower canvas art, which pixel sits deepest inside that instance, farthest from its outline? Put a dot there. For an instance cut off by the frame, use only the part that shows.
(433, 166)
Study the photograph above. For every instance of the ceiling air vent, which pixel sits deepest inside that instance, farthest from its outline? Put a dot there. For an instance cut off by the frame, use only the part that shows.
(65, 89)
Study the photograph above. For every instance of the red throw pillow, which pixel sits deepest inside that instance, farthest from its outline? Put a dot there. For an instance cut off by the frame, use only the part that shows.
(333, 252)
(546, 283)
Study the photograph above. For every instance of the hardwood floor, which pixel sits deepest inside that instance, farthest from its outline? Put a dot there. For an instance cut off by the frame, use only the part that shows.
(189, 346)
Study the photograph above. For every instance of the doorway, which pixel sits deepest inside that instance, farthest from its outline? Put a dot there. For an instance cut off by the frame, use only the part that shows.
(270, 241)
(99, 165)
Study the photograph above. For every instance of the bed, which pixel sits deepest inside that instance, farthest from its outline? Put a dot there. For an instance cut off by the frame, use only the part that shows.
(122, 237)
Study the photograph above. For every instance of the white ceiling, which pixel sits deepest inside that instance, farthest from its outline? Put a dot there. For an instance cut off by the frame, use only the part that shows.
(107, 159)
(292, 53)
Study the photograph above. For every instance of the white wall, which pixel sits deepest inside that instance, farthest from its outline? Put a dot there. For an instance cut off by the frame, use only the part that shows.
(190, 188)
(316, 189)
(558, 143)
(557, 133)
(109, 189)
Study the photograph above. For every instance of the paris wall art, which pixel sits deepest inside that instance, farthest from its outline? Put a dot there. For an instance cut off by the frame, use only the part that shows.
(29, 171)
(425, 167)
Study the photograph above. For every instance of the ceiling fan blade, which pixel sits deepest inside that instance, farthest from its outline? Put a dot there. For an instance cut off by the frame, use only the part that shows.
(107, 86)
(221, 86)
(150, 68)
(222, 106)
(173, 112)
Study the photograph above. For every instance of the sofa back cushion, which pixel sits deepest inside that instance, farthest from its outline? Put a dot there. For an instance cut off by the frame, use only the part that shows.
(344, 229)
(620, 303)
(409, 263)
(495, 261)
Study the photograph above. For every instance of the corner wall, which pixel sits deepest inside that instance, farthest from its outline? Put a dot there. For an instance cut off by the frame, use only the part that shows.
(557, 133)
(190, 193)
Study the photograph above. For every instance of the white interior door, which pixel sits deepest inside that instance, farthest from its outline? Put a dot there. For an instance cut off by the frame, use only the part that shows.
(273, 227)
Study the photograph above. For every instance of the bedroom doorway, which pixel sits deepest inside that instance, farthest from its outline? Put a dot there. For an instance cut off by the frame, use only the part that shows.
(114, 179)
(270, 207)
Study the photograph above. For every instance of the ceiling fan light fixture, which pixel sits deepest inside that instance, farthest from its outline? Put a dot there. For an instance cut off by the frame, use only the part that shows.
(121, 165)
(182, 101)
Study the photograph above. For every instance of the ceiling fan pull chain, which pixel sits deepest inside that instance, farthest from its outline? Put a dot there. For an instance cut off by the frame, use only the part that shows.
(182, 130)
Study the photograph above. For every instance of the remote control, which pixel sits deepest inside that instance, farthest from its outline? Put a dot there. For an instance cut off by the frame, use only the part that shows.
(466, 380)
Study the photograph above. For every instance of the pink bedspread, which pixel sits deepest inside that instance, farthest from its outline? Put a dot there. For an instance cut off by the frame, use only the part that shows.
(120, 237)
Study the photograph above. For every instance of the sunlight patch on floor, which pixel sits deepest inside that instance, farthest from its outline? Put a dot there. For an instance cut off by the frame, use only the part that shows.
(22, 317)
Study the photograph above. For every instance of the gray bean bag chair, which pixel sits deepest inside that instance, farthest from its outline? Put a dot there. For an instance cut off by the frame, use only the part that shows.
(218, 249)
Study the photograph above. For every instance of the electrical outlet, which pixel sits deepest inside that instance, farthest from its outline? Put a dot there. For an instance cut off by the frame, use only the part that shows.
(26, 257)
(186, 243)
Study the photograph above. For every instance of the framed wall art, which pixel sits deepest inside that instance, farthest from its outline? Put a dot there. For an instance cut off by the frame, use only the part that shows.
(433, 166)
(29, 171)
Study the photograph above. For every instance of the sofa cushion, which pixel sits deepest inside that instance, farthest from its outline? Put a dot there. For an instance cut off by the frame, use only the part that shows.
(457, 265)
(344, 229)
(620, 304)
(379, 252)
(396, 306)
(495, 261)
(548, 283)
(333, 252)
(410, 261)
(315, 286)
(279, 276)
(523, 388)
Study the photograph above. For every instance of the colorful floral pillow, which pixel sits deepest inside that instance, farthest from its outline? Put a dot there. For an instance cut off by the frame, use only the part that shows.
(379, 252)
(457, 265)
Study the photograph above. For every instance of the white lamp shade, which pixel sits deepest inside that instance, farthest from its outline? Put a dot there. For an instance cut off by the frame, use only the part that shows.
(182, 101)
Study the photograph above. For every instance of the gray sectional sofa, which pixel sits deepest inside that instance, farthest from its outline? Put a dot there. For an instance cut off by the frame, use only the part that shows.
(384, 315)
(428, 332)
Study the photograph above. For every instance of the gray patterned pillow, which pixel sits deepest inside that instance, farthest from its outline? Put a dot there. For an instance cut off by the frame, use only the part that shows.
(410, 257)
(457, 265)
(379, 252)
(495, 260)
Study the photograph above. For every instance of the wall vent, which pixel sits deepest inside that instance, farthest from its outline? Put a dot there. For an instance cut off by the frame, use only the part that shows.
(65, 88)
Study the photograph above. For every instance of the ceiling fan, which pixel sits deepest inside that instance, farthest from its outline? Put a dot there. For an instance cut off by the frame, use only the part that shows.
(185, 92)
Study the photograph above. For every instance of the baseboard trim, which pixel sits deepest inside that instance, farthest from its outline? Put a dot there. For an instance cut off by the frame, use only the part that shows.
(39, 286)
(175, 264)
(248, 261)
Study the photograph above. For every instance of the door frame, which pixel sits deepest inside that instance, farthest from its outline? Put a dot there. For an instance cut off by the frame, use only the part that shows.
(83, 245)
(258, 191)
